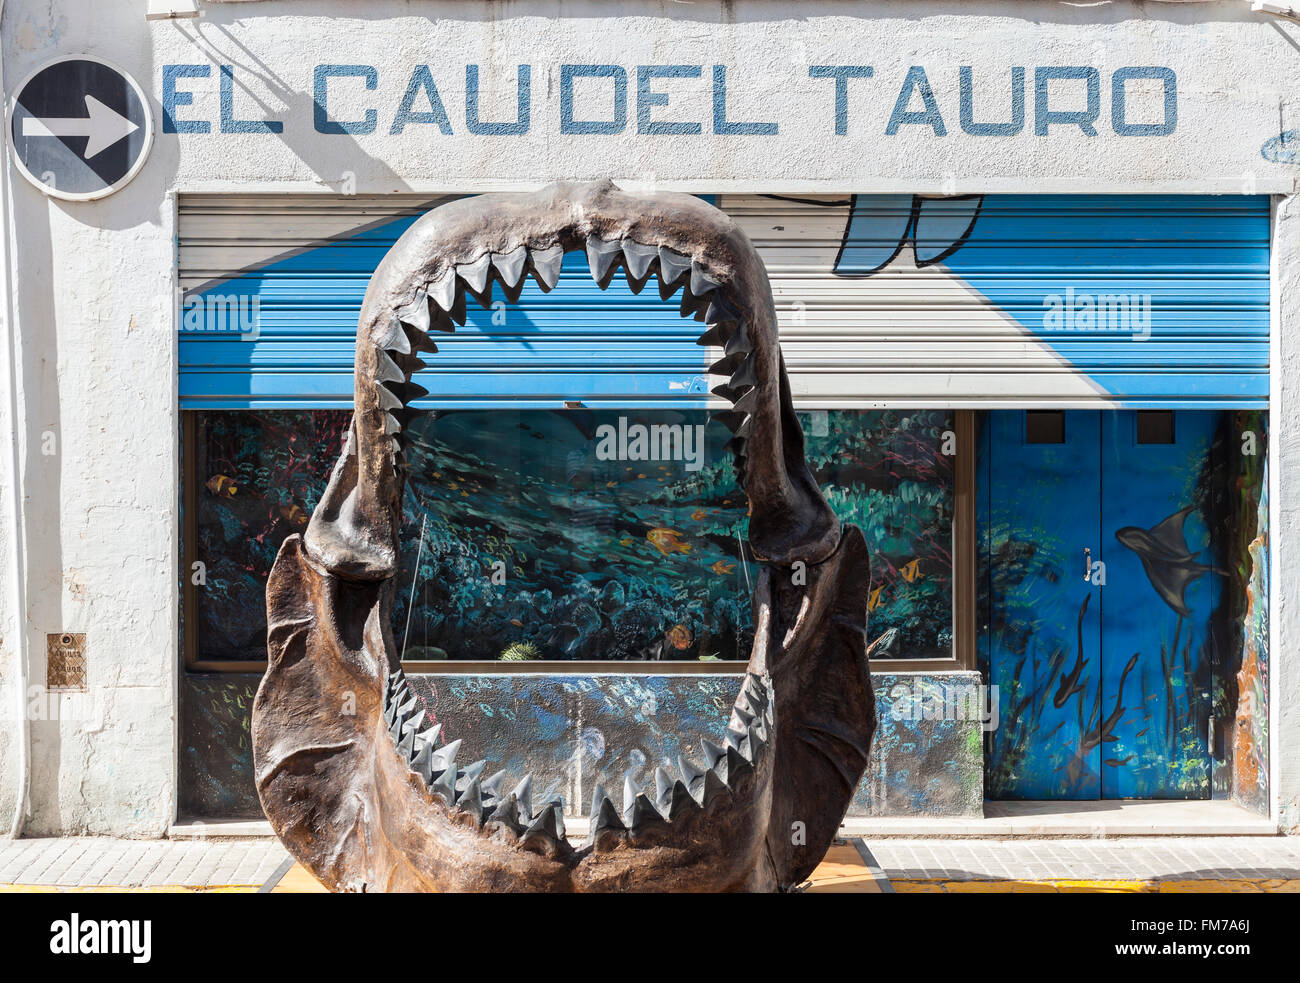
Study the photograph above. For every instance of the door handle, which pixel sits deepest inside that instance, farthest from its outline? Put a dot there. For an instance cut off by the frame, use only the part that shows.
(1087, 563)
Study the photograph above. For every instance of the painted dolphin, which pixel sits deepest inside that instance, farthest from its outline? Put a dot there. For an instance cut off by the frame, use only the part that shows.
(1168, 560)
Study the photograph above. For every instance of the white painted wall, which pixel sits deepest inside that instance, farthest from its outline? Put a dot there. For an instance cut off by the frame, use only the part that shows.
(91, 283)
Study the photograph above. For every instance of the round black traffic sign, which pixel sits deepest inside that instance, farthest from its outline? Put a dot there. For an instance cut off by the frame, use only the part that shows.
(80, 128)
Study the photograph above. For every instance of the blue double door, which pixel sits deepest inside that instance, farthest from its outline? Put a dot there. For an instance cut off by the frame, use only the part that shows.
(1097, 591)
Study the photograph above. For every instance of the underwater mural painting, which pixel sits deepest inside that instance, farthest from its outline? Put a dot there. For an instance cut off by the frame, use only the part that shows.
(541, 534)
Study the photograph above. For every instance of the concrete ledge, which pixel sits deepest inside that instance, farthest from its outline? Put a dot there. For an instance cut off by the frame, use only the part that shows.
(220, 829)
(1075, 819)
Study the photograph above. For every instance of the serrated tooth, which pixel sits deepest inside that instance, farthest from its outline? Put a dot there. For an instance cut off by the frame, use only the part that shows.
(507, 811)
(717, 335)
(714, 788)
(511, 265)
(740, 720)
(444, 756)
(747, 403)
(739, 758)
(663, 786)
(416, 313)
(558, 810)
(431, 735)
(730, 419)
(691, 772)
(471, 801)
(387, 399)
(604, 816)
(744, 375)
(475, 273)
(523, 795)
(738, 341)
(719, 310)
(643, 813)
(443, 290)
(391, 425)
(422, 763)
(638, 258)
(547, 824)
(601, 256)
(701, 281)
(546, 265)
(676, 800)
(469, 773)
(415, 721)
(406, 746)
(386, 370)
(444, 785)
(630, 791)
(672, 266)
(492, 785)
(712, 753)
(394, 338)
(727, 365)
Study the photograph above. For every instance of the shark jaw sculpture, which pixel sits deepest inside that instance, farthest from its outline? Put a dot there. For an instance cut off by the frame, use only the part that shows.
(355, 781)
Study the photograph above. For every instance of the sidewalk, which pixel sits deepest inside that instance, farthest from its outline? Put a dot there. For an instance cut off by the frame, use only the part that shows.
(1154, 864)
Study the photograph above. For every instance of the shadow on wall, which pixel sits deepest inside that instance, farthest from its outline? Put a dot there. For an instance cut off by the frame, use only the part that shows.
(572, 732)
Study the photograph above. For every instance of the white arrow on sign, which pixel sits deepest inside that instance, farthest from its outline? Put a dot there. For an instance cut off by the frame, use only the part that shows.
(102, 126)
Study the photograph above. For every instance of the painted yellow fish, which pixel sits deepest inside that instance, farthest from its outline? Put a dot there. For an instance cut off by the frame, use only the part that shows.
(699, 514)
(294, 514)
(667, 541)
(873, 601)
(223, 486)
(723, 567)
(679, 637)
(910, 571)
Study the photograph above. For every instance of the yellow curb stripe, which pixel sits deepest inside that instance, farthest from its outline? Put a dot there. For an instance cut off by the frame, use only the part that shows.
(1073, 886)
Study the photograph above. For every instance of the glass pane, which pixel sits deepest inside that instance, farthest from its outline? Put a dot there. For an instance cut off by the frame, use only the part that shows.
(575, 534)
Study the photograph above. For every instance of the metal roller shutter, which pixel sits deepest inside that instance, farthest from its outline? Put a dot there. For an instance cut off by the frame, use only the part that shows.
(1012, 300)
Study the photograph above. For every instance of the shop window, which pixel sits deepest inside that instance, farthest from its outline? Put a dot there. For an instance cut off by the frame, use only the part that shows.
(571, 534)
(1044, 426)
(1155, 426)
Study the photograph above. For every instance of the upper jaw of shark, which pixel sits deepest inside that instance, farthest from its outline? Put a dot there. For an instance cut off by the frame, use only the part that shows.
(375, 797)
(461, 250)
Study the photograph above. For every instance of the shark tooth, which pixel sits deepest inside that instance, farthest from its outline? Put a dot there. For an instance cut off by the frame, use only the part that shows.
(511, 265)
(717, 335)
(394, 337)
(471, 802)
(738, 341)
(675, 801)
(643, 814)
(507, 812)
(492, 785)
(431, 735)
(690, 771)
(638, 257)
(386, 369)
(546, 265)
(548, 824)
(523, 795)
(663, 785)
(442, 291)
(391, 424)
(701, 281)
(422, 763)
(631, 789)
(727, 365)
(713, 788)
(406, 746)
(744, 375)
(712, 753)
(388, 400)
(740, 720)
(444, 756)
(604, 817)
(747, 403)
(672, 266)
(416, 313)
(444, 784)
(475, 274)
(719, 310)
(415, 721)
(732, 420)
(601, 257)
(471, 772)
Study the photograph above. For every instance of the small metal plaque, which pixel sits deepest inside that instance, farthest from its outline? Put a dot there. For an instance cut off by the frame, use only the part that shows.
(65, 661)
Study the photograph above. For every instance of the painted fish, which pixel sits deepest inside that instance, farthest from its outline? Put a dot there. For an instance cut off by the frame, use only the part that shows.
(1168, 560)
(910, 571)
(679, 636)
(667, 541)
(516, 622)
(223, 486)
(873, 601)
(294, 514)
(723, 567)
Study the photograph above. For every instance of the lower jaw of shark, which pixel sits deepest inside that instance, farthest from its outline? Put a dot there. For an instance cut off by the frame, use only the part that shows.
(356, 778)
